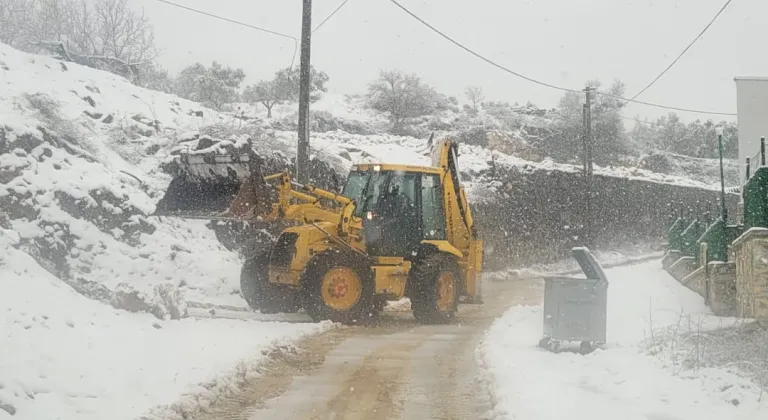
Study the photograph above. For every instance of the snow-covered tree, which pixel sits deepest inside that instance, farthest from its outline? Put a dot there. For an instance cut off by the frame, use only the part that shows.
(265, 93)
(152, 76)
(285, 88)
(697, 138)
(287, 83)
(403, 97)
(212, 86)
(609, 138)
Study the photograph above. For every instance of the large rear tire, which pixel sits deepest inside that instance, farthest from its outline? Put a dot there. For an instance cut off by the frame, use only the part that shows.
(259, 293)
(338, 286)
(436, 288)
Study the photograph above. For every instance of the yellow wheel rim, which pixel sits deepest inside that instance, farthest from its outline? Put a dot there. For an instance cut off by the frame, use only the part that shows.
(445, 291)
(341, 288)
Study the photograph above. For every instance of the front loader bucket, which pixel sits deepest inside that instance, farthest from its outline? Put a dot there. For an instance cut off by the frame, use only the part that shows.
(216, 187)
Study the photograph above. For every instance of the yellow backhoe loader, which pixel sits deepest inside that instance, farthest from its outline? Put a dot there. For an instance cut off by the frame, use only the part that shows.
(394, 231)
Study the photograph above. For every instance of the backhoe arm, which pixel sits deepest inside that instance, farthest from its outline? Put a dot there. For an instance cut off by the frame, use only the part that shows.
(302, 204)
(445, 156)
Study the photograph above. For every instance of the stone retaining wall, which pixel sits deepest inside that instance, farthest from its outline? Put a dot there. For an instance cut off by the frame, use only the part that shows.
(538, 216)
(750, 253)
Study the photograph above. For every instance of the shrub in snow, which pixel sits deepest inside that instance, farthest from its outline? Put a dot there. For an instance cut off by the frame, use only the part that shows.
(656, 162)
(475, 136)
(322, 122)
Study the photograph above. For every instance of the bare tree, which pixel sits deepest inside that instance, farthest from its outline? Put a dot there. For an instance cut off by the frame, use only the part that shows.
(122, 34)
(52, 20)
(475, 95)
(402, 96)
(16, 16)
(105, 34)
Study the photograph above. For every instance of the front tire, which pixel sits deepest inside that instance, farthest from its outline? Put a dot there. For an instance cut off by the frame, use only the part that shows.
(260, 294)
(435, 294)
(338, 286)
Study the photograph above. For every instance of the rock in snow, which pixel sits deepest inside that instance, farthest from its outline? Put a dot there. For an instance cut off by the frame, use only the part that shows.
(165, 301)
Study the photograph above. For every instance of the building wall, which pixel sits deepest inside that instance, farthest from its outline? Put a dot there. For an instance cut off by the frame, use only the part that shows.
(752, 109)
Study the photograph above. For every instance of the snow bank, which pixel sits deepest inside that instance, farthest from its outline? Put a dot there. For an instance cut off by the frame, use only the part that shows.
(65, 356)
(620, 381)
(608, 258)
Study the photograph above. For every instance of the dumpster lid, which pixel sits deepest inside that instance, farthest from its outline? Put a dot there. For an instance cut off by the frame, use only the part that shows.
(588, 263)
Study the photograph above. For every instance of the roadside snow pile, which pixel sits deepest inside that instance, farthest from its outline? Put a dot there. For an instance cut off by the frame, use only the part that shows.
(65, 356)
(622, 380)
(608, 258)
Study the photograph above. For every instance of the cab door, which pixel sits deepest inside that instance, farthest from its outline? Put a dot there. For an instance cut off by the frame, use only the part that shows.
(394, 227)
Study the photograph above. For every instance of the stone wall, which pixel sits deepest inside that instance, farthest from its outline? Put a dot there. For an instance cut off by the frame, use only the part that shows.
(721, 278)
(750, 252)
(537, 216)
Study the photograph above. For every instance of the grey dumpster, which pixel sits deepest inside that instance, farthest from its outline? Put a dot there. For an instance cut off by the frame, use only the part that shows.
(575, 308)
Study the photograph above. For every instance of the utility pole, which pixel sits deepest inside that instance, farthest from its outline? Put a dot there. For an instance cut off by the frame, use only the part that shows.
(588, 106)
(724, 211)
(587, 118)
(302, 155)
(584, 111)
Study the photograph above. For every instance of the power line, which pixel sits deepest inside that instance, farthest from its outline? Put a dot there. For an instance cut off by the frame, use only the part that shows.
(684, 50)
(498, 66)
(330, 16)
(538, 82)
(226, 19)
(695, 111)
(211, 15)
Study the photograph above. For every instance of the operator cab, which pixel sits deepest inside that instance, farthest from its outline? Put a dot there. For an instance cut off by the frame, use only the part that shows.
(399, 206)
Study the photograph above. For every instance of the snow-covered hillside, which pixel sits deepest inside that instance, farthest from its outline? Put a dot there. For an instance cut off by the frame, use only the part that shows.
(78, 185)
(341, 122)
(79, 178)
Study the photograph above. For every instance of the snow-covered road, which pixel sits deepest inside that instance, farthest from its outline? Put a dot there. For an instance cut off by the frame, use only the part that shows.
(63, 356)
(637, 376)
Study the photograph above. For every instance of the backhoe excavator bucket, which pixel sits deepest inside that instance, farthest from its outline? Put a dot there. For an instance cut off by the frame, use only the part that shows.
(216, 186)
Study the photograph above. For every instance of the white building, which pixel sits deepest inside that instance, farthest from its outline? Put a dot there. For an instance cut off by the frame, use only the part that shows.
(752, 109)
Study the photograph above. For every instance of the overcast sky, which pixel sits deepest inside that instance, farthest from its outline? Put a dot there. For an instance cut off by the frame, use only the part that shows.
(563, 42)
